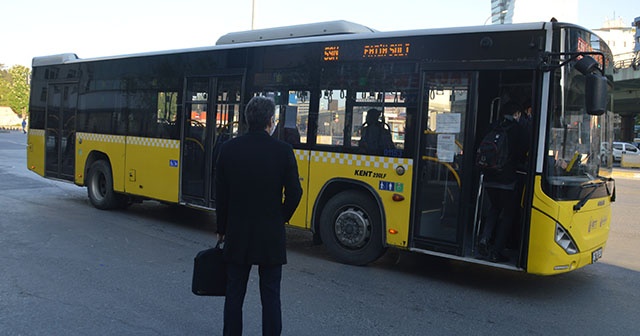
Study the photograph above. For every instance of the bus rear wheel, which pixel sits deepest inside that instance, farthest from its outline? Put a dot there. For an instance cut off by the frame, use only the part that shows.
(351, 228)
(100, 187)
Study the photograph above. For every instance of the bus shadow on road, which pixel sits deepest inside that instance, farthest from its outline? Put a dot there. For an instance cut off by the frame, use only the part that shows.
(437, 271)
(173, 214)
(499, 281)
(430, 269)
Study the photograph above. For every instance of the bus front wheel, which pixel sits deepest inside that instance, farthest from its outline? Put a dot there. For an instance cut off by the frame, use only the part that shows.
(351, 228)
(100, 187)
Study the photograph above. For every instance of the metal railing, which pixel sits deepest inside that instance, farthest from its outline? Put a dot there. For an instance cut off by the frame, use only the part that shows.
(630, 60)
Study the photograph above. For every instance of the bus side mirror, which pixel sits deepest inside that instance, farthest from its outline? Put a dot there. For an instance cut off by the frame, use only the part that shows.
(596, 96)
(587, 65)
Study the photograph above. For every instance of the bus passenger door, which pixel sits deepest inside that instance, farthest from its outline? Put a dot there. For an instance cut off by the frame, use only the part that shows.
(228, 101)
(440, 216)
(211, 117)
(60, 131)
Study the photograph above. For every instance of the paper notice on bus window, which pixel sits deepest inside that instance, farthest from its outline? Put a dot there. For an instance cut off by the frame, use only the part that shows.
(448, 123)
(446, 147)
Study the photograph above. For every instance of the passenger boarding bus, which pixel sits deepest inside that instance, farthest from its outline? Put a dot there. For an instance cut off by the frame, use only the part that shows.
(149, 126)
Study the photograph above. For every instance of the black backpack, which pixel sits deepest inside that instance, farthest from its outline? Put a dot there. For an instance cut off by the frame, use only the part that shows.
(493, 151)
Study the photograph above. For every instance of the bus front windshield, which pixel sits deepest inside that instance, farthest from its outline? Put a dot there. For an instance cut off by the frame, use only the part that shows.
(578, 144)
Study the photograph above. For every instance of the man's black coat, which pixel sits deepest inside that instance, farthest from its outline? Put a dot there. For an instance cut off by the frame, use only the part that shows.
(252, 173)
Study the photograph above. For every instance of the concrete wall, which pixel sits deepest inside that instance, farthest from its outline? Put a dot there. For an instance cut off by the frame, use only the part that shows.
(630, 161)
(8, 118)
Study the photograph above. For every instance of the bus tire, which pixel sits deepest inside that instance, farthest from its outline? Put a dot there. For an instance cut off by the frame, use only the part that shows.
(351, 228)
(100, 187)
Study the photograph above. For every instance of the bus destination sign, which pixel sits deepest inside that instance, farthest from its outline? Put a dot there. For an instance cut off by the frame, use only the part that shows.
(331, 53)
(384, 50)
(378, 50)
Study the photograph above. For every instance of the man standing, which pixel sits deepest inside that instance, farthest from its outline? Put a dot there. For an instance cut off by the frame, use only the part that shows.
(502, 186)
(253, 173)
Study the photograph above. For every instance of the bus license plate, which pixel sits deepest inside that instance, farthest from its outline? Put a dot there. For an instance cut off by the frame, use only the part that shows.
(597, 254)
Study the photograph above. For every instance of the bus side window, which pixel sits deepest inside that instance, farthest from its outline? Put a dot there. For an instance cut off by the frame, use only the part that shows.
(291, 115)
(331, 118)
(296, 118)
(286, 130)
(375, 135)
(380, 132)
(167, 115)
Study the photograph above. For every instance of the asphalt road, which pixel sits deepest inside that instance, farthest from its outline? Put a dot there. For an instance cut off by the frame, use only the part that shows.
(67, 268)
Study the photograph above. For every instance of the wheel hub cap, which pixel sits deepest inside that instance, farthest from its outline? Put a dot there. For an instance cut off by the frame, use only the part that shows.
(352, 228)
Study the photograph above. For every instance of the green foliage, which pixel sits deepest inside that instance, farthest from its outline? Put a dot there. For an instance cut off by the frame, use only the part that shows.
(4, 85)
(14, 88)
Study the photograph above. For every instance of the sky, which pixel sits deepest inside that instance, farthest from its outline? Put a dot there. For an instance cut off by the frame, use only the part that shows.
(92, 28)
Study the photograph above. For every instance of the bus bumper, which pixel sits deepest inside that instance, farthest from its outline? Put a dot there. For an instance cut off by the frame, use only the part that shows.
(547, 257)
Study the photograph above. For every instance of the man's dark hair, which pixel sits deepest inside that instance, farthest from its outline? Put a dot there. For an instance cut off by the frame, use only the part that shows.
(259, 112)
(510, 107)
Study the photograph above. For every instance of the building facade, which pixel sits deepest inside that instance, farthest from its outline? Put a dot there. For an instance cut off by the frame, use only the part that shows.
(621, 38)
(518, 11)
(636, 24)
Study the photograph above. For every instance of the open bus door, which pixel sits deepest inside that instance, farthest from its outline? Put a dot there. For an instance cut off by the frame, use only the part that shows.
(60, 131)
(441, 218)
(458, 109)
(212, 109)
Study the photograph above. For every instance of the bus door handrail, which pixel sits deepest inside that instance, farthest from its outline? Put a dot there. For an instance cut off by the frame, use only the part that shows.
(476, 218)
(447, 165)
(493, 109)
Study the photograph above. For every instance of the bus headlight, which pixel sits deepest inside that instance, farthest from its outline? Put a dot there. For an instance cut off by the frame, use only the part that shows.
(564, 240)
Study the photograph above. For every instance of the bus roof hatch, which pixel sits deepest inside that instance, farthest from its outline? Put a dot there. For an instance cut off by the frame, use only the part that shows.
(53, 59)
(297, 31)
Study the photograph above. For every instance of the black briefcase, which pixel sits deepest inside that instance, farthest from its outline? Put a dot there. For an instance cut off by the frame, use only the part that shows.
(209, 273)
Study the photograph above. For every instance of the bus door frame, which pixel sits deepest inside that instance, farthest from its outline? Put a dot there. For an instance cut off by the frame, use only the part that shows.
(211, 136)
(64, 143)
(539, 129)
(460, 246)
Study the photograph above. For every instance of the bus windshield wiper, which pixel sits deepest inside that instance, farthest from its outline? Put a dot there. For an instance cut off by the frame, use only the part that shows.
(594, 186)
(606, 185)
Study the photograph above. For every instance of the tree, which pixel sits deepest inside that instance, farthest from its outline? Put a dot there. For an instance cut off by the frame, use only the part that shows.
(18, 97)
(5, 79)
(14, 88)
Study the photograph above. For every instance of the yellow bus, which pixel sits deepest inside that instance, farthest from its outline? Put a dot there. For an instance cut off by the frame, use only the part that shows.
(148, 126)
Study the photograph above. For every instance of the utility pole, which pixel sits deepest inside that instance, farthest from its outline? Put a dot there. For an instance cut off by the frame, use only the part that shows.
(253, 13)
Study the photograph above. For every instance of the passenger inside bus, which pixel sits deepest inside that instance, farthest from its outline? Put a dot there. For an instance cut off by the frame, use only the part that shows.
(376, 136)
(503, 187)
(292, 135)
(289, 133)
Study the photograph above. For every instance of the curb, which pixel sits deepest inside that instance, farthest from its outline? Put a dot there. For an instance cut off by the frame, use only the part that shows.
(626, 173)
(9, 129)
